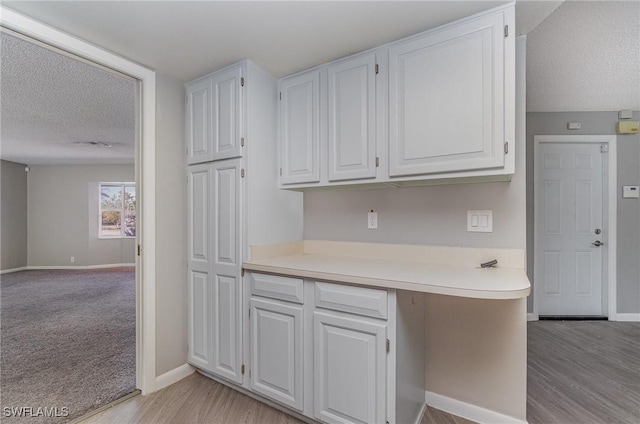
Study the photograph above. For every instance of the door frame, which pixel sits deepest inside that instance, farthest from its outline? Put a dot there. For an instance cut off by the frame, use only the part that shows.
(145, 176)
(610, 207)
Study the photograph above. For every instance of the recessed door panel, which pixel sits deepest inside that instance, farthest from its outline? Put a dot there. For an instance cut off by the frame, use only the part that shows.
(227, 113)
(199, 121)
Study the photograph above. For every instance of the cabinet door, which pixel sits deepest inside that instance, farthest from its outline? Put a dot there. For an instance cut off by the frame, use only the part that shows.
(276, 351)
(199, 257)
(352, 119)
(446, 99)
(226, 121)
(227, 260)
(299, 128)
(198, 121)
(349, 369)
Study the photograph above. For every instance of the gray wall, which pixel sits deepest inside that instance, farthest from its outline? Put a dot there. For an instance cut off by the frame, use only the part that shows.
(13, 214)
(63, 216)
(628, 245)
(171, 227)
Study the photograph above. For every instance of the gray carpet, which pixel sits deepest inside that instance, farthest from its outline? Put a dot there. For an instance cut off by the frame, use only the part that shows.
(67, 339)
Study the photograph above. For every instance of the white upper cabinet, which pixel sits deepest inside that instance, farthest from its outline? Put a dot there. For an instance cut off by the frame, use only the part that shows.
(227, 113)
(199, 121)
(352, 118)
(446, 100)
(434, 106)
(214, 116)
(300, 129)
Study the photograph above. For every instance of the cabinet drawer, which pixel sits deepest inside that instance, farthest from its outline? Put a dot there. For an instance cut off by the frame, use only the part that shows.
(355, 300)
(277, 287)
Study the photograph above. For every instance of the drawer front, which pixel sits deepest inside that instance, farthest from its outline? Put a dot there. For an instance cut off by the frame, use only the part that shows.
(277, 287)
(355, 300)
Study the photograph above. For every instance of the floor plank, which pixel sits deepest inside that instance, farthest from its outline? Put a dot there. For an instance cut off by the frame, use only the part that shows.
(578, 372)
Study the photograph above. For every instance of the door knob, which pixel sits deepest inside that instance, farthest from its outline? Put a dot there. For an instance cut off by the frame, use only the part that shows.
(597, 243)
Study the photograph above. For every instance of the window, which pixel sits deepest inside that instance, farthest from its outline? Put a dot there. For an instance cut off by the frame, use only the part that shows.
(117, 210)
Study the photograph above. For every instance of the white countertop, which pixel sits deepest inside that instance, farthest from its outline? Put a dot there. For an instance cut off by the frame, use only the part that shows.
(446, 279)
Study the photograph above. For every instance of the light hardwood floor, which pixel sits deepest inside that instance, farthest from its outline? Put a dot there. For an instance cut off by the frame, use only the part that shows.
(578, 372)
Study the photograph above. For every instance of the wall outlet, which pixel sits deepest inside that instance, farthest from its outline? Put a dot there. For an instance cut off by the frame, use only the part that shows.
(480, 221)
(372, 220)
(73, 259)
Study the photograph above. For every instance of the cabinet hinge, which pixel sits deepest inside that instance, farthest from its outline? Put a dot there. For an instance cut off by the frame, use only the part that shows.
(242, 173)
(139, 250)
(249, 312)
(242, 141)
(249, 373)
(281, 95)
(604, 148)
(242, 272)
(388, 345)
(377, 69)
(242, 82)
(377, 162)
(506, 31)
(506, 147)
(242, 369)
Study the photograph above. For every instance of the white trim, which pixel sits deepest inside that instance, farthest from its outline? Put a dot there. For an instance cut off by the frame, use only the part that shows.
(10, 270)
(628, 317)
(611, 202)
(145, 192)
(78, 267)
(173, 376)
(467, 410)
(532, 317)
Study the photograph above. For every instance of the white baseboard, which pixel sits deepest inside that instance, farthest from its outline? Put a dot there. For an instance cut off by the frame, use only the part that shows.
(45, 267)
(468, 411)
(630, 317)
(532, 317)
(9, 271)
(173, 376)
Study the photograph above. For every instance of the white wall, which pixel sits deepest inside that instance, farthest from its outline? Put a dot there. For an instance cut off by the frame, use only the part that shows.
(171, 226)
(13, 214)
(63, 209)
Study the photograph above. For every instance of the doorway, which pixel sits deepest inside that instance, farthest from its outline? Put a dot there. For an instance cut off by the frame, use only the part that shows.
(145, 176)
(575, 226)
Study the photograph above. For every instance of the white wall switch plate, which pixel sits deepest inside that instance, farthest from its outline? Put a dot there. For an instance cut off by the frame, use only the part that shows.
(372, 220)
(630, 192)
(480, 221)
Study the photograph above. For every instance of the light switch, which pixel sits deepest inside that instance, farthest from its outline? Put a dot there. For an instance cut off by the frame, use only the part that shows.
(480, 221)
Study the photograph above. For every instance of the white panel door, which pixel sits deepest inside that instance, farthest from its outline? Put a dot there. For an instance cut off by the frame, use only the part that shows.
(569, 222)
(352, 119)
(276, 351)
(446, 100)
(349, 365)
(300, 128)
(227, 261)
(227, 113)
(198, 123)
(199, 267)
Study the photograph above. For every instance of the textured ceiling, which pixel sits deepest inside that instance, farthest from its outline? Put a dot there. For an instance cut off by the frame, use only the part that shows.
(186, 39)
(51, 102)
(585, 57)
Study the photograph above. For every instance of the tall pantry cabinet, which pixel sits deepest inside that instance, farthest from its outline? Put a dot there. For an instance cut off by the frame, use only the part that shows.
(233, 202)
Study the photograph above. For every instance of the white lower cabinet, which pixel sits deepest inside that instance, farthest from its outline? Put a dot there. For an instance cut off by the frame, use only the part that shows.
(276, 351)
(334, 352)
(350, 368)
